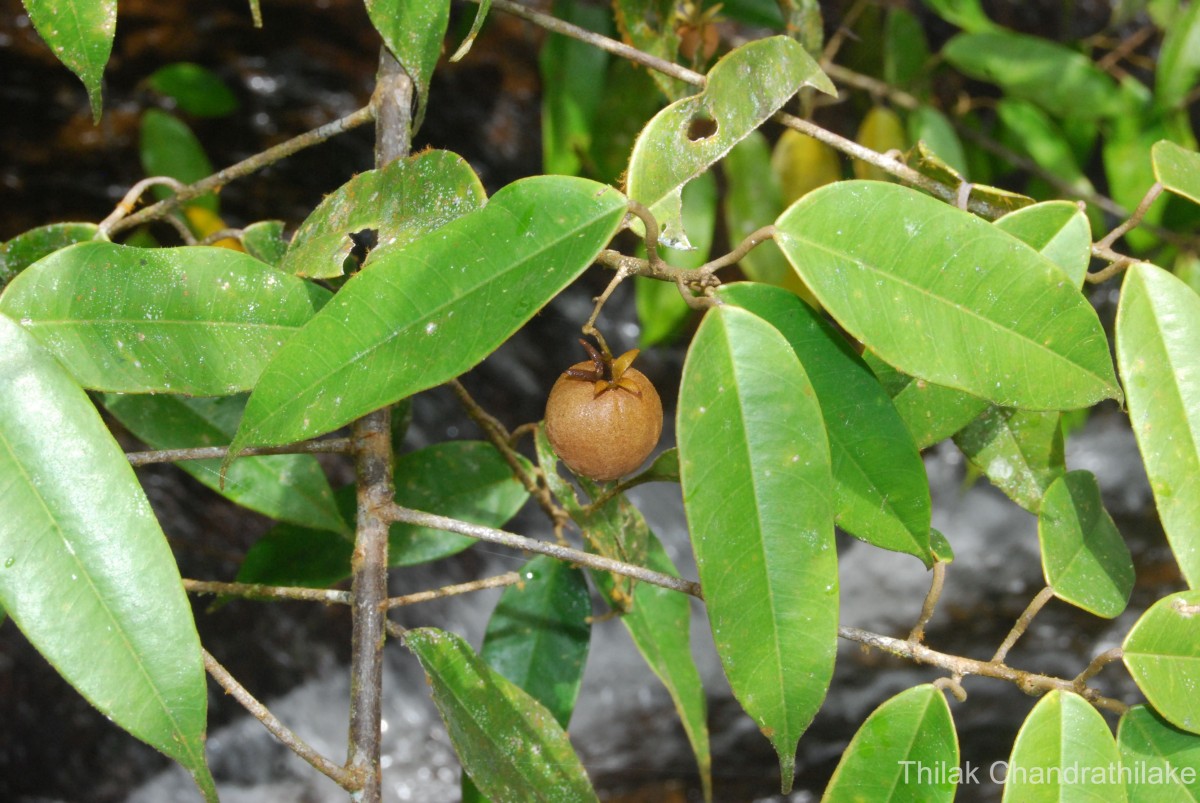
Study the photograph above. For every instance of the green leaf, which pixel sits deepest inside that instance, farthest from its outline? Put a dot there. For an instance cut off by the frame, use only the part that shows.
(85, 571)
(198, 90)
(966, 14)
(1158, 323)
(169, 148)
(287, 487)
(508, 743)
(1128, 143)
(1176, 168)
(931, 412)
(399, 202)
(881, 492)
(573, 74)
(942, 551)
(928, 125)
(1162, 652)
(196, 320)
(661, 310)
(1162, 762)
(1084, 557)
(1178, 65)
(28, 247)
(80, 32)
(906, 54)
(908, 733)
(1062, 81)
(430, 311)
(690, 135)
(1033, 132)
(649, 25)
(1020, 451)
(467, 480)
(1058, 230)
(757, 490)
(881, 131)
(947, 297)
(1063, 752)
(413, 30)
(264, 241)
(538, 635)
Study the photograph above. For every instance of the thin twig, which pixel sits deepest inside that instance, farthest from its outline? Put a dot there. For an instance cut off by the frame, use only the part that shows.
(492, 535)
(1098, 663)
(258, 591)
(753, 240)
(931, 599)
(324, 446)
(131, 198)
(1029, 682)
(498, 581)
(222, 234)
(1142, 208)
(246, 167)
(1022, 624)
(347, 779)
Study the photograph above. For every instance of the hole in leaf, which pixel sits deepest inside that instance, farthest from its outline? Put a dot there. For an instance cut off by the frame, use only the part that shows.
(701, 127)
(364, 241)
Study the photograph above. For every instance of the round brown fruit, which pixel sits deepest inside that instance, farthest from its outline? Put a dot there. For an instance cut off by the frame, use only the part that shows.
(603, 427)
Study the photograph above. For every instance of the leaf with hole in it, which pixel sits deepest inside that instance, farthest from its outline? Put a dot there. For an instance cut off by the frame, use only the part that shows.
(169, 148)
(1166, 759)
(1158, 324)
(80, 32)
(1177, 169)
(1062, 81)
(467, 480)
(428, 312)
(912, 730)
(287, 487)
(758, 493)
(1058, 230)
(396, 203)
(413, 30)
(195, 320)
(1084, 557)
(931, 412)
(28, 247)
(881, 492)
(1162, 652)
(508, 743)
(947, 297)
(196, 89)
(744, 88)
(85, 570)
(1064, 751)
(1020, 451)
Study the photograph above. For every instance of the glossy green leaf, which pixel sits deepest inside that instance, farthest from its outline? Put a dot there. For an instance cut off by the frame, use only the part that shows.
(466, 480)
(1063, 752)
(428, 312)
(906, 53)
(928, 125)
(1128, 143)
(757, 489)
(1020, 451)
(80, 32)
(661, 310)
(665, 468)
(197, 320)
(1176, 168)
(881, 493)
(1084, 557)
(1062, 81)
(476, 25)
(573, 75)
(539, 633)
(264, 241)
(398, 202)
(966, 14)
(1162, 763)
(1178, 66)
(649, 25)
(169, 148)
(942, 551)
(508, 743)
(1033, 132)
(413, 30)
(198, 90)
(287, 487)
(690, 135)
(28, 247)
(85, 570)
(1059, 230)
(911, 731)
(947, 297)
(1162, 652)
(931, 412)
(1158, 324)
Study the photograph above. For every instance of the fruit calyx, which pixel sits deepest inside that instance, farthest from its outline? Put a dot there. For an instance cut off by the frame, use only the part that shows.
(607, 372)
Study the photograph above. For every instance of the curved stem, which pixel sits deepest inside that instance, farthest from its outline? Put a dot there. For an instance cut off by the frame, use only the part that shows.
(1018, 629)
